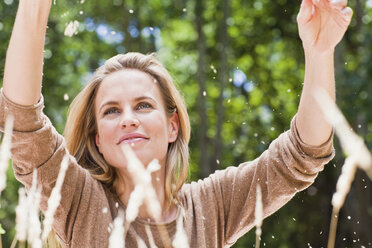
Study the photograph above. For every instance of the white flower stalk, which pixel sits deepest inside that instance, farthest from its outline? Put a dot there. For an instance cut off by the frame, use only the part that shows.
(351, 143)
(33, 189)
(344, 182)
(153, 166)
(135, 167)
(72, 28)
(338, 199)
(142, 177)
(354, 147)
(135, 201)
(117, 235)
(34, 225)
(151, 199)
(55, 198)
(5, 151)
(150, 237)
(152, 203)
(137, 197)
(25, 211)
(258, 214)
(180, 238)
(22, 216)
(140, 242)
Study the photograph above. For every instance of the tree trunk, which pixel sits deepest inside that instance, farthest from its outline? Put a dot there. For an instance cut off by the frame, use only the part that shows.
(126, 22)
(222, 78)
(137, 14)
(201, 77)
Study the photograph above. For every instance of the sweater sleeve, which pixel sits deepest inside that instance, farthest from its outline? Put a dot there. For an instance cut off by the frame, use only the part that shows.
(36, 144)
(225, 201)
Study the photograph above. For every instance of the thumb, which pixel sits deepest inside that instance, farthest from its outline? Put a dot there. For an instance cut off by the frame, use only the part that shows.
(306, 11)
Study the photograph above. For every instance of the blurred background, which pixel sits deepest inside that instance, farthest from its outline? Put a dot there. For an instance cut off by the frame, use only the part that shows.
(240, 66)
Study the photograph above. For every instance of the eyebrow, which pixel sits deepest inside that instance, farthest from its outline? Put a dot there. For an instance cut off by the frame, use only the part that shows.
(137, 99)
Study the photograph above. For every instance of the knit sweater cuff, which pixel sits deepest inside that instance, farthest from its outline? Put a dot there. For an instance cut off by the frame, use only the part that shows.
(324, 150)
(27, 118)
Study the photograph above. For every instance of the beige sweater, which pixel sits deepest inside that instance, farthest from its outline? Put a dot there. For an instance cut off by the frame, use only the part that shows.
(218, 210)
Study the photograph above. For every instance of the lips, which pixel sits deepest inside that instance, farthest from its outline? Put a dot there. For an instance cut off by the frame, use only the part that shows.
(132, 138)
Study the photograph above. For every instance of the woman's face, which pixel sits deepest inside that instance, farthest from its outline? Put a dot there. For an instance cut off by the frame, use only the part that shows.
(130, 109)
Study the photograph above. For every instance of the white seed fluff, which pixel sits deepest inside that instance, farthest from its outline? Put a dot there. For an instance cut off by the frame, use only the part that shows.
(21, 216)
(258, 212)
(135, 201)
(72, 28)
(150, 237)
(344, 182)
(153, 166)
(5, 151)
(55, 198)
(140, 242)
(142, 177)
(34, 225)
(116, 239)
(180, 238)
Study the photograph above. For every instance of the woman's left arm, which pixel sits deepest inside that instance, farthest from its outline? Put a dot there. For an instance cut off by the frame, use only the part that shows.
(321, 24)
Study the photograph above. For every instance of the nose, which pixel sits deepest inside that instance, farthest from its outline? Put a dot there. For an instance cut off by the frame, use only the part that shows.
(129, 120)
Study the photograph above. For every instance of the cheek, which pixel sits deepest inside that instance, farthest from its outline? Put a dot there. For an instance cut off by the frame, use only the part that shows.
(157, 124)
(105, 131)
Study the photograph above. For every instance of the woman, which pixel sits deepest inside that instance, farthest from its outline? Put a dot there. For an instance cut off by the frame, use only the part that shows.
(132, 100)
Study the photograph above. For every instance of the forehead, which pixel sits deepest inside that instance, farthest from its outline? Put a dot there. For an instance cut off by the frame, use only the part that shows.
(127, 84)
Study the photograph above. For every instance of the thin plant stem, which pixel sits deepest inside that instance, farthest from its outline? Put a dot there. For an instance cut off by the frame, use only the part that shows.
(14, 242)
(51, 240)
(137, 171)
(342, 189)
(164, 236)
(333, 228)
(258, 240)
(150, 237)
(258, 215)
(163, 233)
(126, 228)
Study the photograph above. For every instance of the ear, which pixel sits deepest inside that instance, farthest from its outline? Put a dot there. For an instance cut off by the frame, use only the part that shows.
(98, 144)
(173, 128)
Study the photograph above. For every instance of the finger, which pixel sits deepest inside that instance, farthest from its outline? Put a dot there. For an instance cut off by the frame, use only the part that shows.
(320, 3)
(348, 13)
(306, 11)
(339, 4)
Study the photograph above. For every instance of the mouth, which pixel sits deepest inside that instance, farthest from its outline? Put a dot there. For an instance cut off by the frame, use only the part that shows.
(132, 138)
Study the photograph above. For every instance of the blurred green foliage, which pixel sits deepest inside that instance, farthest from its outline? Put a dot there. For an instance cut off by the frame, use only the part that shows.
(265, 74)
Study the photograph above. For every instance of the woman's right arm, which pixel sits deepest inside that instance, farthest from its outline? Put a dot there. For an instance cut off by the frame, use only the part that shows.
(36, 143)
(24, 60)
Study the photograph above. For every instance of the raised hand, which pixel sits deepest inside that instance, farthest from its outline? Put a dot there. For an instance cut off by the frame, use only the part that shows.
(323, 23)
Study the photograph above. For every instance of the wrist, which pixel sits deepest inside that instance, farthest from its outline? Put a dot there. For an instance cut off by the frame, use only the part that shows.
(313, 52)
(34, 12)
(315, 55)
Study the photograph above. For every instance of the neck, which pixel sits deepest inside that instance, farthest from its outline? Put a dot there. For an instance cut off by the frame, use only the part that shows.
(124, 187)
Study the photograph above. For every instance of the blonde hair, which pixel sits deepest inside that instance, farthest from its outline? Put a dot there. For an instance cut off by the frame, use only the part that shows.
(80, 130)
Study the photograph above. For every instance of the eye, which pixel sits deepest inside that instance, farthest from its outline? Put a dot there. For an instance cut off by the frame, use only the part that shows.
(144, 105)
(110, 111)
